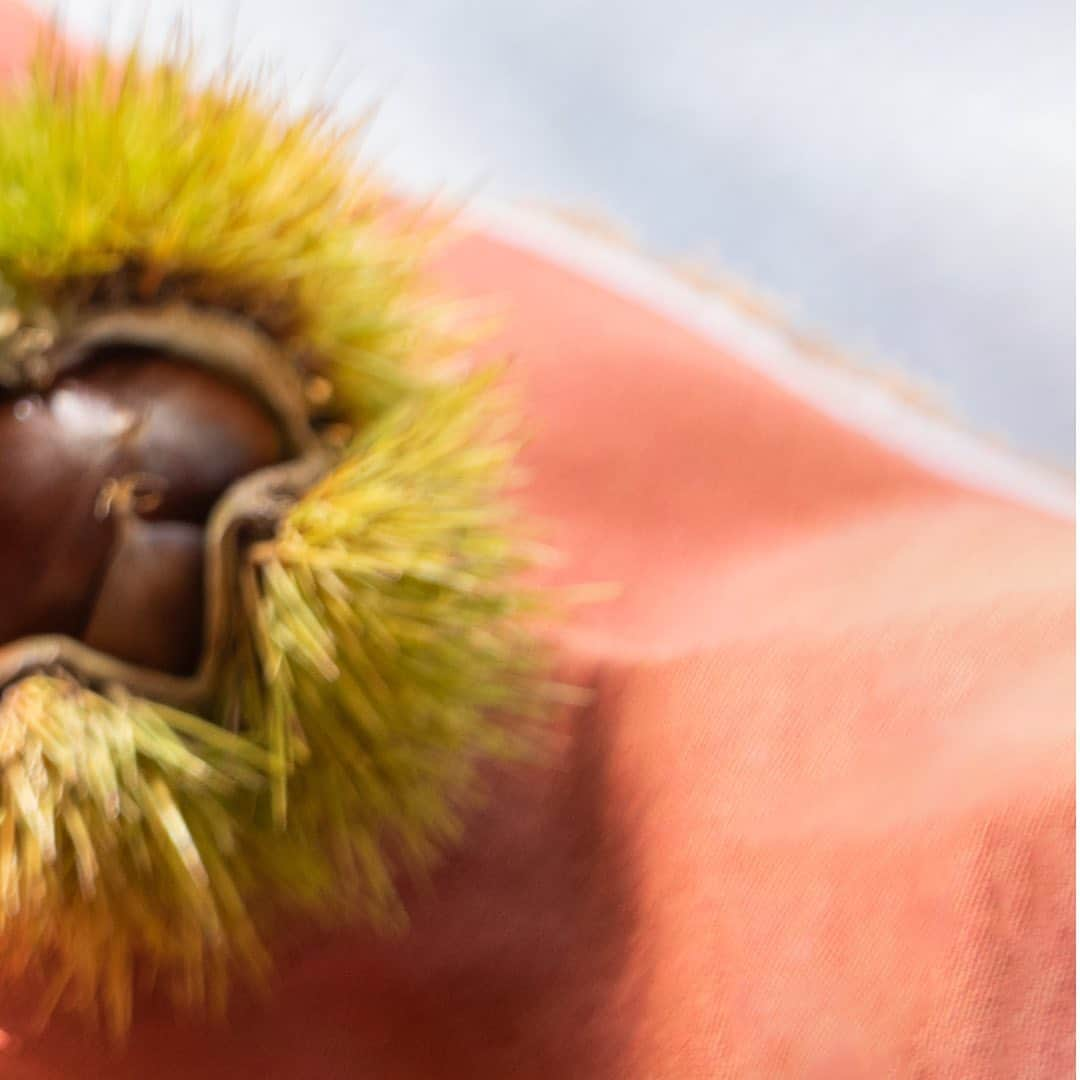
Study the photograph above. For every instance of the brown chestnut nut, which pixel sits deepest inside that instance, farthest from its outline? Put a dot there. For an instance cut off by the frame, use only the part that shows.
(108, 479)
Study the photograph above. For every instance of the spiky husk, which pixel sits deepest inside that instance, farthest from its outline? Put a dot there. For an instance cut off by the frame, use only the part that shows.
(385, 627)
(124, 184)
(388, 630)
(117, 832)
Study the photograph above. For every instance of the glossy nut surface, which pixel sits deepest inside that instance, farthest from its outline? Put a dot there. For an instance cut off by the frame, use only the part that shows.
(106, 482)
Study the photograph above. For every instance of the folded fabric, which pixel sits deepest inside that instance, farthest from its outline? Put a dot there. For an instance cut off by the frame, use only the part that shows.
(819, 818)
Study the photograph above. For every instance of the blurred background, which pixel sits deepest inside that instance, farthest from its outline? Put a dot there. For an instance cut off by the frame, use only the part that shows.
(897, 177)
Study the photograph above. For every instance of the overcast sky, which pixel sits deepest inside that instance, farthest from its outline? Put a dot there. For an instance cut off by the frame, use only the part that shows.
(898, 174)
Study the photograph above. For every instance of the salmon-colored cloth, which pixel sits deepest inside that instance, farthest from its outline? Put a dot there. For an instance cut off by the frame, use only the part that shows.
(819, 821)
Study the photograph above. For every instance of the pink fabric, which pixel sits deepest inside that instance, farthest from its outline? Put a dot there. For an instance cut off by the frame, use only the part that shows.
(818, 821)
